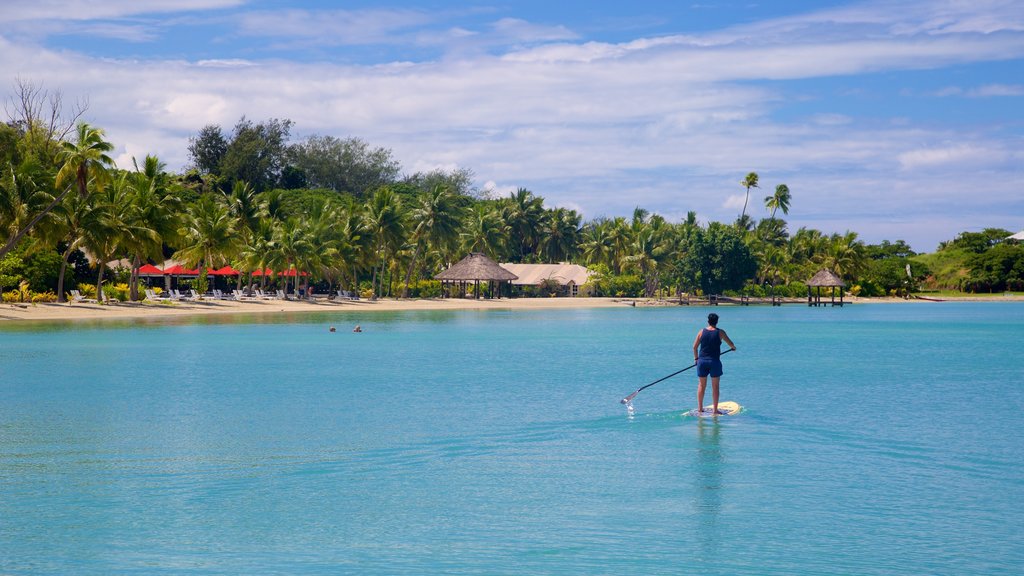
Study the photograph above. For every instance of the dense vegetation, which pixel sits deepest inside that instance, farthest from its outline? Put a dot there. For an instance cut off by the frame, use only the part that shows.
(343, 211)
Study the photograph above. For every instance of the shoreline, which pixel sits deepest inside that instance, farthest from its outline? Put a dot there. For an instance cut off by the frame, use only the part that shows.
(45, 312)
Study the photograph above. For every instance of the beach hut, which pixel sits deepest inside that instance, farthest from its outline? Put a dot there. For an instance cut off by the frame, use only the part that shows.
(474, 269)
(824, 279)
(569, 277)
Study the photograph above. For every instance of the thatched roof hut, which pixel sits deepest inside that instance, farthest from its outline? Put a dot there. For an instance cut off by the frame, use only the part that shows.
(824, 279)
(475, 268)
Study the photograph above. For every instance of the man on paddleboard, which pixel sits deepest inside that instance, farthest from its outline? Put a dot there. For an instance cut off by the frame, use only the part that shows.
(707, 349)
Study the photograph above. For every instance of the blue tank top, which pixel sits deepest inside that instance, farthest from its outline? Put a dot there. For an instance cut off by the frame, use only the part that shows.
(710, 344)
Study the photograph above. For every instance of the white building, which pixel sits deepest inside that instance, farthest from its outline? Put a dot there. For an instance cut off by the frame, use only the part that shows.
(569, 276)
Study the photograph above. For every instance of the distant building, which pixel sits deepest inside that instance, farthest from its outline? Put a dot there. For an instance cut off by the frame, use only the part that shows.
(568, 276)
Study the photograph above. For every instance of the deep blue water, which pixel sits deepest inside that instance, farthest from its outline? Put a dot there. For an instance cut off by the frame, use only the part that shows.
(876, 439)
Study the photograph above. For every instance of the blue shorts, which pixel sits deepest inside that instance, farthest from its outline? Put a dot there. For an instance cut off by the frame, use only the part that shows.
(709, 367)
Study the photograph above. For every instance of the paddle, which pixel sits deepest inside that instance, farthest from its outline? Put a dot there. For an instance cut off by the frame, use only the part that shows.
(629, 398)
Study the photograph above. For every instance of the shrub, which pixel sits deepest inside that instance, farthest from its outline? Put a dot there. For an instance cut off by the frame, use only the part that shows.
(425, 289)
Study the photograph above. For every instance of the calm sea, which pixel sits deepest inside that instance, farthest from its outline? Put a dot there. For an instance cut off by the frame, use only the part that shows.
(876, 439)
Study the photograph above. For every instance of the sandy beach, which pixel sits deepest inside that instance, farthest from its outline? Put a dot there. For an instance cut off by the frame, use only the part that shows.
(143, 310)
(146, 309)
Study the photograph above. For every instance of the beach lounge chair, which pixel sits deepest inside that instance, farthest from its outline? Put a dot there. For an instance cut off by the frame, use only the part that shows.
(239, 295)
(175, 295)
(281, 295)
(76, 296)
(193, 295)
(353, 295)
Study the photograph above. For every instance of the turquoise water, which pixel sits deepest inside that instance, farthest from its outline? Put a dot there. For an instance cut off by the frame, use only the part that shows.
(876, 439)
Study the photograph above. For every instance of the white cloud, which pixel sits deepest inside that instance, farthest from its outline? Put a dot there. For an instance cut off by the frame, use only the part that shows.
(997, 90)
(79, 10)
(671, 124)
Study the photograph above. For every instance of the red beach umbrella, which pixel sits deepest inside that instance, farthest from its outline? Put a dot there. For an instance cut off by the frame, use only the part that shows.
(150, 270)
(225, 271)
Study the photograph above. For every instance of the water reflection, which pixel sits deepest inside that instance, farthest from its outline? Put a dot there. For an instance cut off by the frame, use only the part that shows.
(710, 464)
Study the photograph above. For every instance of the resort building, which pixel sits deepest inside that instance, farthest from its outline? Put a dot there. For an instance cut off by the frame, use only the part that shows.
(567, 277)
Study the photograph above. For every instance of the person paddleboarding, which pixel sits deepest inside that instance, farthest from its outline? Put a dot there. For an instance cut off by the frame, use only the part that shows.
(707, 350)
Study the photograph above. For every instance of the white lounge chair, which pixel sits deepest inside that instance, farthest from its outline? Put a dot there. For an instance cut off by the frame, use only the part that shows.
(76, 296)
(281, 295)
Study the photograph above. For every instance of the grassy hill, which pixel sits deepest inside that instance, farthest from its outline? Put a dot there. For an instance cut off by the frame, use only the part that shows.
(948, 267)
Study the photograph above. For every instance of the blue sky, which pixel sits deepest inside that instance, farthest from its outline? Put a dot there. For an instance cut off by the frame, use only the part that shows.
(894, 119)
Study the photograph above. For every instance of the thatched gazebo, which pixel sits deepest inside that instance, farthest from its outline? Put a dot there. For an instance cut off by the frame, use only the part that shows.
(474, 269)
(824, 279)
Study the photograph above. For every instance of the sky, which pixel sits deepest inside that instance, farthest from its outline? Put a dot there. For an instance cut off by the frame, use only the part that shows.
(898, 120)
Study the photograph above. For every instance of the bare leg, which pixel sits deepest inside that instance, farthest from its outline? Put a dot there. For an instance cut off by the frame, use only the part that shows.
(700, 393)
(714, 393)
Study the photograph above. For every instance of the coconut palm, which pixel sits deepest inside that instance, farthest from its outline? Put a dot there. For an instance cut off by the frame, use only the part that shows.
(385, 224)
(559, 235)
(596, 243)
(435, 223)
(209, 235)
(523, 212)
(749, 182)
(25, 201)
(157, 208)
(81, 161)
(293, 248)
(778, 201)
(484, 231)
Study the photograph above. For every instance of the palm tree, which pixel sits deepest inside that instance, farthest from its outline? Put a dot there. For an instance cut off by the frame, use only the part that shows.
(209, 235)
(560, 235)
(749, 182)
(81, 162)
(484, 231)
(156, 208)
(523, 213)
(115, 227)
(24, 195)
(435, 222)
(596, 243)
(293, 248)
(778, 201)
(385, 223)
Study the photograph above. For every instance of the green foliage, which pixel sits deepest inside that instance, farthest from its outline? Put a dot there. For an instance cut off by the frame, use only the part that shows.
(42, 270)
(977, 242)
(997, 269)
(345, 165)
(257, 153)
(889, 275)
(716, 259)
(207, 150)
(11, 270)
(425, 288)
(948, 268)
(898, 249)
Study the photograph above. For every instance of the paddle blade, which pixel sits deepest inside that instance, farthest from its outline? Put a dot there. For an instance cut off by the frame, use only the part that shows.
(629, 398)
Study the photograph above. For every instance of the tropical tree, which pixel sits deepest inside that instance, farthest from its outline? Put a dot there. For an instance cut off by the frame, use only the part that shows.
(779, 200)
(293, 250)
(81, 161)
(155, 207)
(384, 222)
(559, 235)
(749, 182)
(484, 231)
(523, 212)
(435, 222)
(209, 235)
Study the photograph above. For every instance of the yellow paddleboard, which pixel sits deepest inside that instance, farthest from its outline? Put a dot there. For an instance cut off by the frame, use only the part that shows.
(726, 408)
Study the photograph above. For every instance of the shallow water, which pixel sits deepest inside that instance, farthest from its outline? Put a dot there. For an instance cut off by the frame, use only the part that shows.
(875, 439)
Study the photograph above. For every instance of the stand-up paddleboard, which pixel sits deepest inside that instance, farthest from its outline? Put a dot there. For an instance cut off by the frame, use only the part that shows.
(726, 408)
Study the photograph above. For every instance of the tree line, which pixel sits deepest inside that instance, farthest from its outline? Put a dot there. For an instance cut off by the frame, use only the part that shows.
(342, 211)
